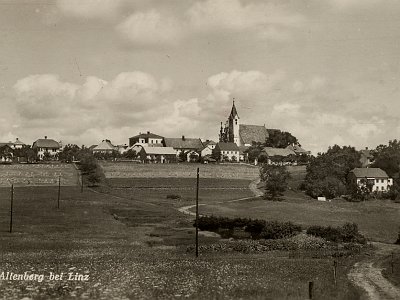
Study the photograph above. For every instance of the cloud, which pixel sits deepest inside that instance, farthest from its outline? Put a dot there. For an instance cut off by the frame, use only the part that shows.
(150, 28)
(267, 19)
(91, 9)
(344, 4)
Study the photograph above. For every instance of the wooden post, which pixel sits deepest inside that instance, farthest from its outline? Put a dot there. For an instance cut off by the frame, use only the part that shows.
(392, 263)
(335, 271)
(81, 182)
(59, 192)
(310, 289)
(11, 207)
(197, 214)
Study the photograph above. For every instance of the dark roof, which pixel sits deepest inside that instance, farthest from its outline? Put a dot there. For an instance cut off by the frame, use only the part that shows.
(184, 143)
(6, 144)
(147, 135)
(370, 172)
(297, 149)
(105, 145)
(234, 111)
(18, 142)
(242, 149)
(208, 142)
(46, 143)
(227, 146)
(278, 151)
(252, 133)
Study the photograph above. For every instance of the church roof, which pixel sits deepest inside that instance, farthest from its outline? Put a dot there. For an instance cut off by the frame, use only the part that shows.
(234, 111)
(252, 133)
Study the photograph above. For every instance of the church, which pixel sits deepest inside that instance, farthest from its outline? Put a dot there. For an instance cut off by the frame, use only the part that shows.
(242, 135)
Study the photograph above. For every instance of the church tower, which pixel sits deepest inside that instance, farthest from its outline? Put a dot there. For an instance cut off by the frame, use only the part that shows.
(233, 125)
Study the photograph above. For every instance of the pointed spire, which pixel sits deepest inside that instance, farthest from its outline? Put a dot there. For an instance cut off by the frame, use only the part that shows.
(234, 111)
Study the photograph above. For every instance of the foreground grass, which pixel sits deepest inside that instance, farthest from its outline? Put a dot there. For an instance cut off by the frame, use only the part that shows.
(132, 248)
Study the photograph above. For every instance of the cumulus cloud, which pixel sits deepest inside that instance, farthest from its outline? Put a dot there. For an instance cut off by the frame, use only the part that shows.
(90, 9)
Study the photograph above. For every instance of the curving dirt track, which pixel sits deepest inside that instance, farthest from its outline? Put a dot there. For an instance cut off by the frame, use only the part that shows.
(367, 274)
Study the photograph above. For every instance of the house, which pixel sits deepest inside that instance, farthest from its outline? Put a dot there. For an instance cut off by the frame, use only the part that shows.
(49, 146)
(376, 178)
(190, 146)
(279, 156)
(227, 151)
(366, 157)
(242, 134)
(296, 148)
(146, 139)
(105, 147)
(208, 147)
(6, 153)
(155, 154)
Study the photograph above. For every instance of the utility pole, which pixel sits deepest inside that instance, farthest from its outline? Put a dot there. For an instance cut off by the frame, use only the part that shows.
(11, 207)
(59, 192)
(197, 214)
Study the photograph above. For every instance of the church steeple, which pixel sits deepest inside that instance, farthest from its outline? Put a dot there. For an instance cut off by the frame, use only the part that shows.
(234, 111)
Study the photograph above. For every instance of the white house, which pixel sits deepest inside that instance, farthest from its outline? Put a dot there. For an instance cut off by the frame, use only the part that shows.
(209, 146)
(229, 151)
(155, 154)
(146, 139)
(191, 146)
(46, 145)
(376, 177)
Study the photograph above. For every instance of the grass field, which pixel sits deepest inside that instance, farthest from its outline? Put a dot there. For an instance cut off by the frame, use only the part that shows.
(134, 249)
(37, 174)
(182, 170)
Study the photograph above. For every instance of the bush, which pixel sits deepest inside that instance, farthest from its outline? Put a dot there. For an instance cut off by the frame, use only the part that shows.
(348, 233)
(173, 196)
(398, 238)
(279, 230)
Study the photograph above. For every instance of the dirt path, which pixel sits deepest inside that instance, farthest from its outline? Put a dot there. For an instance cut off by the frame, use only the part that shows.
(253, 188)
(367, 274)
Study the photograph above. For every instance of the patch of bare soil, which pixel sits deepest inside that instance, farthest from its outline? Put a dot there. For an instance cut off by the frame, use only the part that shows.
(367, 274)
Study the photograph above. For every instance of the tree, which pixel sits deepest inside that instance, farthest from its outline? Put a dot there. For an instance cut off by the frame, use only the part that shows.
(130, 154)
(280, 139)
(387, 157)
(182, 156)
(69, 153)
(327, 174)
(275, 179)
(254, 151)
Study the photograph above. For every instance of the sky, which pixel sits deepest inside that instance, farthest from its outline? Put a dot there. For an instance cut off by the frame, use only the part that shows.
(82, 71)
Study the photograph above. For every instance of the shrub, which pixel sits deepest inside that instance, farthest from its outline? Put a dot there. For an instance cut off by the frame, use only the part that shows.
(398, 238)
(348, 233)
(279, 230)
(173, 196)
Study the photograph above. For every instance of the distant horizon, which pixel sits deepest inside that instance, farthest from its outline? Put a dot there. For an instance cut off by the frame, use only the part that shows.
(82, 71)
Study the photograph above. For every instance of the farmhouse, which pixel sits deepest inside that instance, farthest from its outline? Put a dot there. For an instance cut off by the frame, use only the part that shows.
(376, 178)
(279, 156)
(298, 150)
(146, 139)
(46, 146)
(105, 147)
(208, 147)
(191, 146)
(241, 134)
(227, 151)
(155, 154)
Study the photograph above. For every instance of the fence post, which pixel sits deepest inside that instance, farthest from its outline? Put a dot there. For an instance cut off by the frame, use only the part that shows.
(11, 207)
(59, 192)
(197, 214)
(310, 289)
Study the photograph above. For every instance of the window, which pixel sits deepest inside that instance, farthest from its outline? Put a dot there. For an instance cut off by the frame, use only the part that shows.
(236, 121)
(382, 180)
(382, 188)
(377, 180)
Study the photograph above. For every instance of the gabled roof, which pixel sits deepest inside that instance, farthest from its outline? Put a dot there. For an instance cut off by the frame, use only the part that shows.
(252, 133)
(6, 144)
(18, 142)
(278, 151)
(227, 146)
(297, 149)
(184, 143)
(46, 143)
(208, 142)
(369, 173)
(105, 145)
(147, 135)
(158, 150)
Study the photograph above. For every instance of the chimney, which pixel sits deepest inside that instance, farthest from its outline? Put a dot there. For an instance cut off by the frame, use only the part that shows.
(366, 148)
(45, 137)
(183, 137)
(148, 132)
(17, 140)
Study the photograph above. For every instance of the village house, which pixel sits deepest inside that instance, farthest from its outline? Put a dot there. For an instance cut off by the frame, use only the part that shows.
(161, 155)
(226, 152)
(190, 146)
(49, 146)
(147, 139)
(376, 178)
(279, 156)
(208, 147)
(105, 147)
